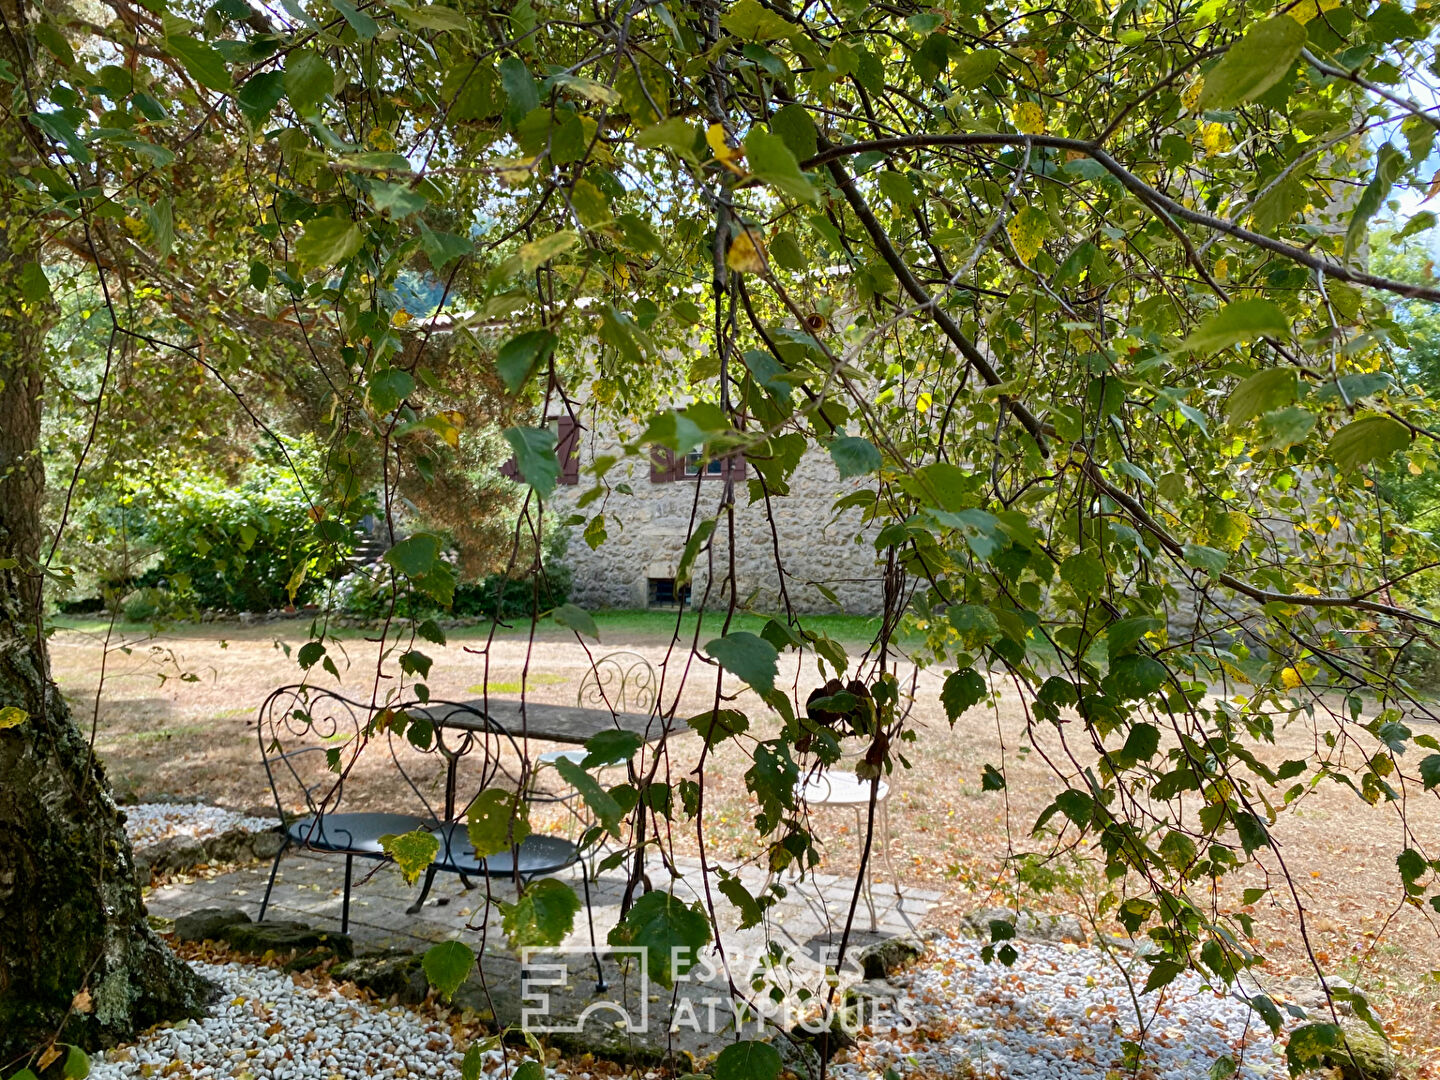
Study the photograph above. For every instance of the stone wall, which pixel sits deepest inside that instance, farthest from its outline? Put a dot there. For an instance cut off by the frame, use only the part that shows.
(647, 530)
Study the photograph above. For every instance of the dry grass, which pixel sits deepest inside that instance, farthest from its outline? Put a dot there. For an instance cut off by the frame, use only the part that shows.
(177, 718)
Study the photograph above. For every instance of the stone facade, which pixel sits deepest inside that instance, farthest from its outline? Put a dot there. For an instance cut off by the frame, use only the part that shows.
(647, 528)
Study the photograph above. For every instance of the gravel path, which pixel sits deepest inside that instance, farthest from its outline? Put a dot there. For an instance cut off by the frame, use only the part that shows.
(265, 1027)
(1060, 1013)
(151, 823)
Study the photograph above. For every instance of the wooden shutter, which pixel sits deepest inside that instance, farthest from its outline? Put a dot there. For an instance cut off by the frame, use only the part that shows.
(567, 450)
(735, 466)
(663, 466)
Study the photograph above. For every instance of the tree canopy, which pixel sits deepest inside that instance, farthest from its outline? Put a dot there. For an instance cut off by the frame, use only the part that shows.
(1081, 289)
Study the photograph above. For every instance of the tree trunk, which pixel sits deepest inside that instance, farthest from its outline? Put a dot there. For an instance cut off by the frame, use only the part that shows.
(78, 961)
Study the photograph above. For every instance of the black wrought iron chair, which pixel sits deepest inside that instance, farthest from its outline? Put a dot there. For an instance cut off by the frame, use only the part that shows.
(309, 741)
(465, 734)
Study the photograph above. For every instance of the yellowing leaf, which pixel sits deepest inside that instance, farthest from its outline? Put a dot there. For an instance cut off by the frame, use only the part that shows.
(1311, 9)
(1191, 97)
(724, 153)
(745, 256)
(400, 318)
(411, 851)
(10, 717)
(1027, 232)
(1290, 678)
(1028, 117)
(1215, 138)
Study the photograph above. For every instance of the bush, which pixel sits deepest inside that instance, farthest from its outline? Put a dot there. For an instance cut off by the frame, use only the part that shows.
(247, 546)
(366, 594)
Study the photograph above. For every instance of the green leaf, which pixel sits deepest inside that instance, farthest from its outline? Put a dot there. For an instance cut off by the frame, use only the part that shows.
(1429, 765)
(770, 159)
(1135, 676)
(414, 556)
(542, 917)
(1260, 393)
(610, 747)
(535, 455)
(747, 1060)
(715, 727)
(259, 96)
(1243, 320)
(670, 931)
(538, 252)
(1162, 974)
(1419, 223)
(77, 1064)
(1389, 164)
(388, 388)
(676, 133)
(972, 69)
(446, 965)
(854, 456)
(750, 20)
(1212, 560)
(1124, 634)
(328, 241)
(991, 779)
(310, 654)
(1085, 573)
(364, 26)
(1254, 63)
(442, 248)
(309, 79)
(1142, 744)
(746, 656)
(496, 821)
(413, 852)
(1411, 864)
(962, 691)
(601, 803)
(693, 545)
(1284, 428)
(472, 1066)
(520, 89)
(1309, 1044)
(794, 126)
(576, 618)
(1372, 437)
(34, 285)
(204, 64)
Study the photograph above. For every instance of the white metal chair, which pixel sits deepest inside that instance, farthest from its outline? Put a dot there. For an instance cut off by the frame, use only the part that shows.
(839, 787)
(620, 682)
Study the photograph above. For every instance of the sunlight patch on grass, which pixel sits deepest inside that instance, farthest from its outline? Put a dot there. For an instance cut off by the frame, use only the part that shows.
(539, 679)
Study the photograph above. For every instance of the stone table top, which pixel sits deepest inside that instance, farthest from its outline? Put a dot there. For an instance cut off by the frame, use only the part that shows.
(553, 723)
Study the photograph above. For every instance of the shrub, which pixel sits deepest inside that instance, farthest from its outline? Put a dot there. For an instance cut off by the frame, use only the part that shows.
(246, 546)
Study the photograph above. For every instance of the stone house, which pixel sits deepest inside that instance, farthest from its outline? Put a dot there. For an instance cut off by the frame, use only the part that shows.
(829, 561)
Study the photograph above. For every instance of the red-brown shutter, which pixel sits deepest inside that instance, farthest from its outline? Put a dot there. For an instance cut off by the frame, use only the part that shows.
(735, 466)
(567, 449)
(662, 465)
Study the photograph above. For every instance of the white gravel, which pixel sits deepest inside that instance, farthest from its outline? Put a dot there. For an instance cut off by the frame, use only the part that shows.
(1060, 1013)
(150, 823)
(265, 1027)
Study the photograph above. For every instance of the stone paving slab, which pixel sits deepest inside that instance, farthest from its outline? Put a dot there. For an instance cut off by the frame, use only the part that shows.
(808, 925)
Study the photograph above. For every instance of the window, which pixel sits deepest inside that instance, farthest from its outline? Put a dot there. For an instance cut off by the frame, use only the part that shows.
(663, 594)
(567, 452)
(667, 466)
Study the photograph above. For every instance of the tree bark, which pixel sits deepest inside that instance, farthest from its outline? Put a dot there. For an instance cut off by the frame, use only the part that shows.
(79, 963)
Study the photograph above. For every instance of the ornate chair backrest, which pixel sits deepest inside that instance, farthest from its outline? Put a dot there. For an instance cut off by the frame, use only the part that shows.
(621, 682)
(310, 739)
(452, 734)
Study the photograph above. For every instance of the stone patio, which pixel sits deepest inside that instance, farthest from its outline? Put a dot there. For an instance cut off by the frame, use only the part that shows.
(634, 1018)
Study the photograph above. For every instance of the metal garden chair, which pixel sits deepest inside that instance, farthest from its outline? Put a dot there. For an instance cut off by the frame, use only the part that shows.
(463, 733)
(309, 741)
